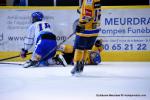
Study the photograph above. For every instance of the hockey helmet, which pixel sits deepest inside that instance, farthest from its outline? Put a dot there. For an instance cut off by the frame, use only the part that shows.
(95, 58)
(37, 16)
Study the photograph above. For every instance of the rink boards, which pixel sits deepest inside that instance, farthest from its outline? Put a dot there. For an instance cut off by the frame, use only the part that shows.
(124, 29)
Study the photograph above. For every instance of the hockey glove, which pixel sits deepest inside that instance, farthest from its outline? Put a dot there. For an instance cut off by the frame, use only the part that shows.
(23, 53)
(80, 28)
(79, 10)
(98, 43)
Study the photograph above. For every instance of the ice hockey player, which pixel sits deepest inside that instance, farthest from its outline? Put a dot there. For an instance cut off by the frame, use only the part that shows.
(65, 54)
(86, 32)
(40, 34)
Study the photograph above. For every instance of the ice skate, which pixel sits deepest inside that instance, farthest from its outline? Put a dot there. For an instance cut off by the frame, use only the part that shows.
(30, 63)
(78, 68)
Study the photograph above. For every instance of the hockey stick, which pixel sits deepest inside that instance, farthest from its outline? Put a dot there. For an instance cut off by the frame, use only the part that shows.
(13, 57)
(10, 63)
(55, 47)
(31, 52)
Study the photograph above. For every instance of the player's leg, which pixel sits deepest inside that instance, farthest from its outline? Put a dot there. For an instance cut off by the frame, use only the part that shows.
(79, 53)
(43, 52)
(59, 60)
(82, 44)
(46, 51)
(62, 55)
(90, 43)
(88, 46)
(67, 48)
(78, 61)
(33, 61)
(35, 57)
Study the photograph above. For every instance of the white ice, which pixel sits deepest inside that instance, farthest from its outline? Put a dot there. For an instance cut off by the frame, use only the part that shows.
(107, 81)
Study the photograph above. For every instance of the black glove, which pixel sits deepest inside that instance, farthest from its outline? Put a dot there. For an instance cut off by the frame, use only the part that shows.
(98, 43)
(78, 11)
(80, 28)
(23, 53)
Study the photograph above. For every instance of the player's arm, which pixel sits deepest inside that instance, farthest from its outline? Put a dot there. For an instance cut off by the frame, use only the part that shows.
(29, 41)
(98, 46)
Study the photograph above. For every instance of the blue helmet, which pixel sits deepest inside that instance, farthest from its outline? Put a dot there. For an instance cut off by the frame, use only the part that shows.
(37, 16)
(95, 58)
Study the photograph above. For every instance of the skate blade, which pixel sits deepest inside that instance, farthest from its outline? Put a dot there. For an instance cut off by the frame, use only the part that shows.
(26, 66)
(77, 74)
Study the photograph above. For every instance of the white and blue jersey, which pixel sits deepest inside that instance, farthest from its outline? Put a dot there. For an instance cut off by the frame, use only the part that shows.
(41, 35)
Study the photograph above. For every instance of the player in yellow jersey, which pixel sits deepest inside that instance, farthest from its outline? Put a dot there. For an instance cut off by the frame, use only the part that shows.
(65, 54)
(86, 32)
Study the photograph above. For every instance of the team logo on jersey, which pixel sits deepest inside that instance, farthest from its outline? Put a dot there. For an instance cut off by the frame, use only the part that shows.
(88, 12)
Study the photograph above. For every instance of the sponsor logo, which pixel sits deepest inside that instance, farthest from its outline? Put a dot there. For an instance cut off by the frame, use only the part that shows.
(88, 12)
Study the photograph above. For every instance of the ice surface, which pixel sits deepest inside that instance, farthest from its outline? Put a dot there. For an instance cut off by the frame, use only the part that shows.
(107, 81)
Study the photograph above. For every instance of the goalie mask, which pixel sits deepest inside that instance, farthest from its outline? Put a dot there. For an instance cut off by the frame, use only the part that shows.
(95, 58)
(37, 16)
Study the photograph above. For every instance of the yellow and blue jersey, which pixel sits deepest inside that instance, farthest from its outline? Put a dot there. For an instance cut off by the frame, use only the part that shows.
(90, 18)
(68, 53)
